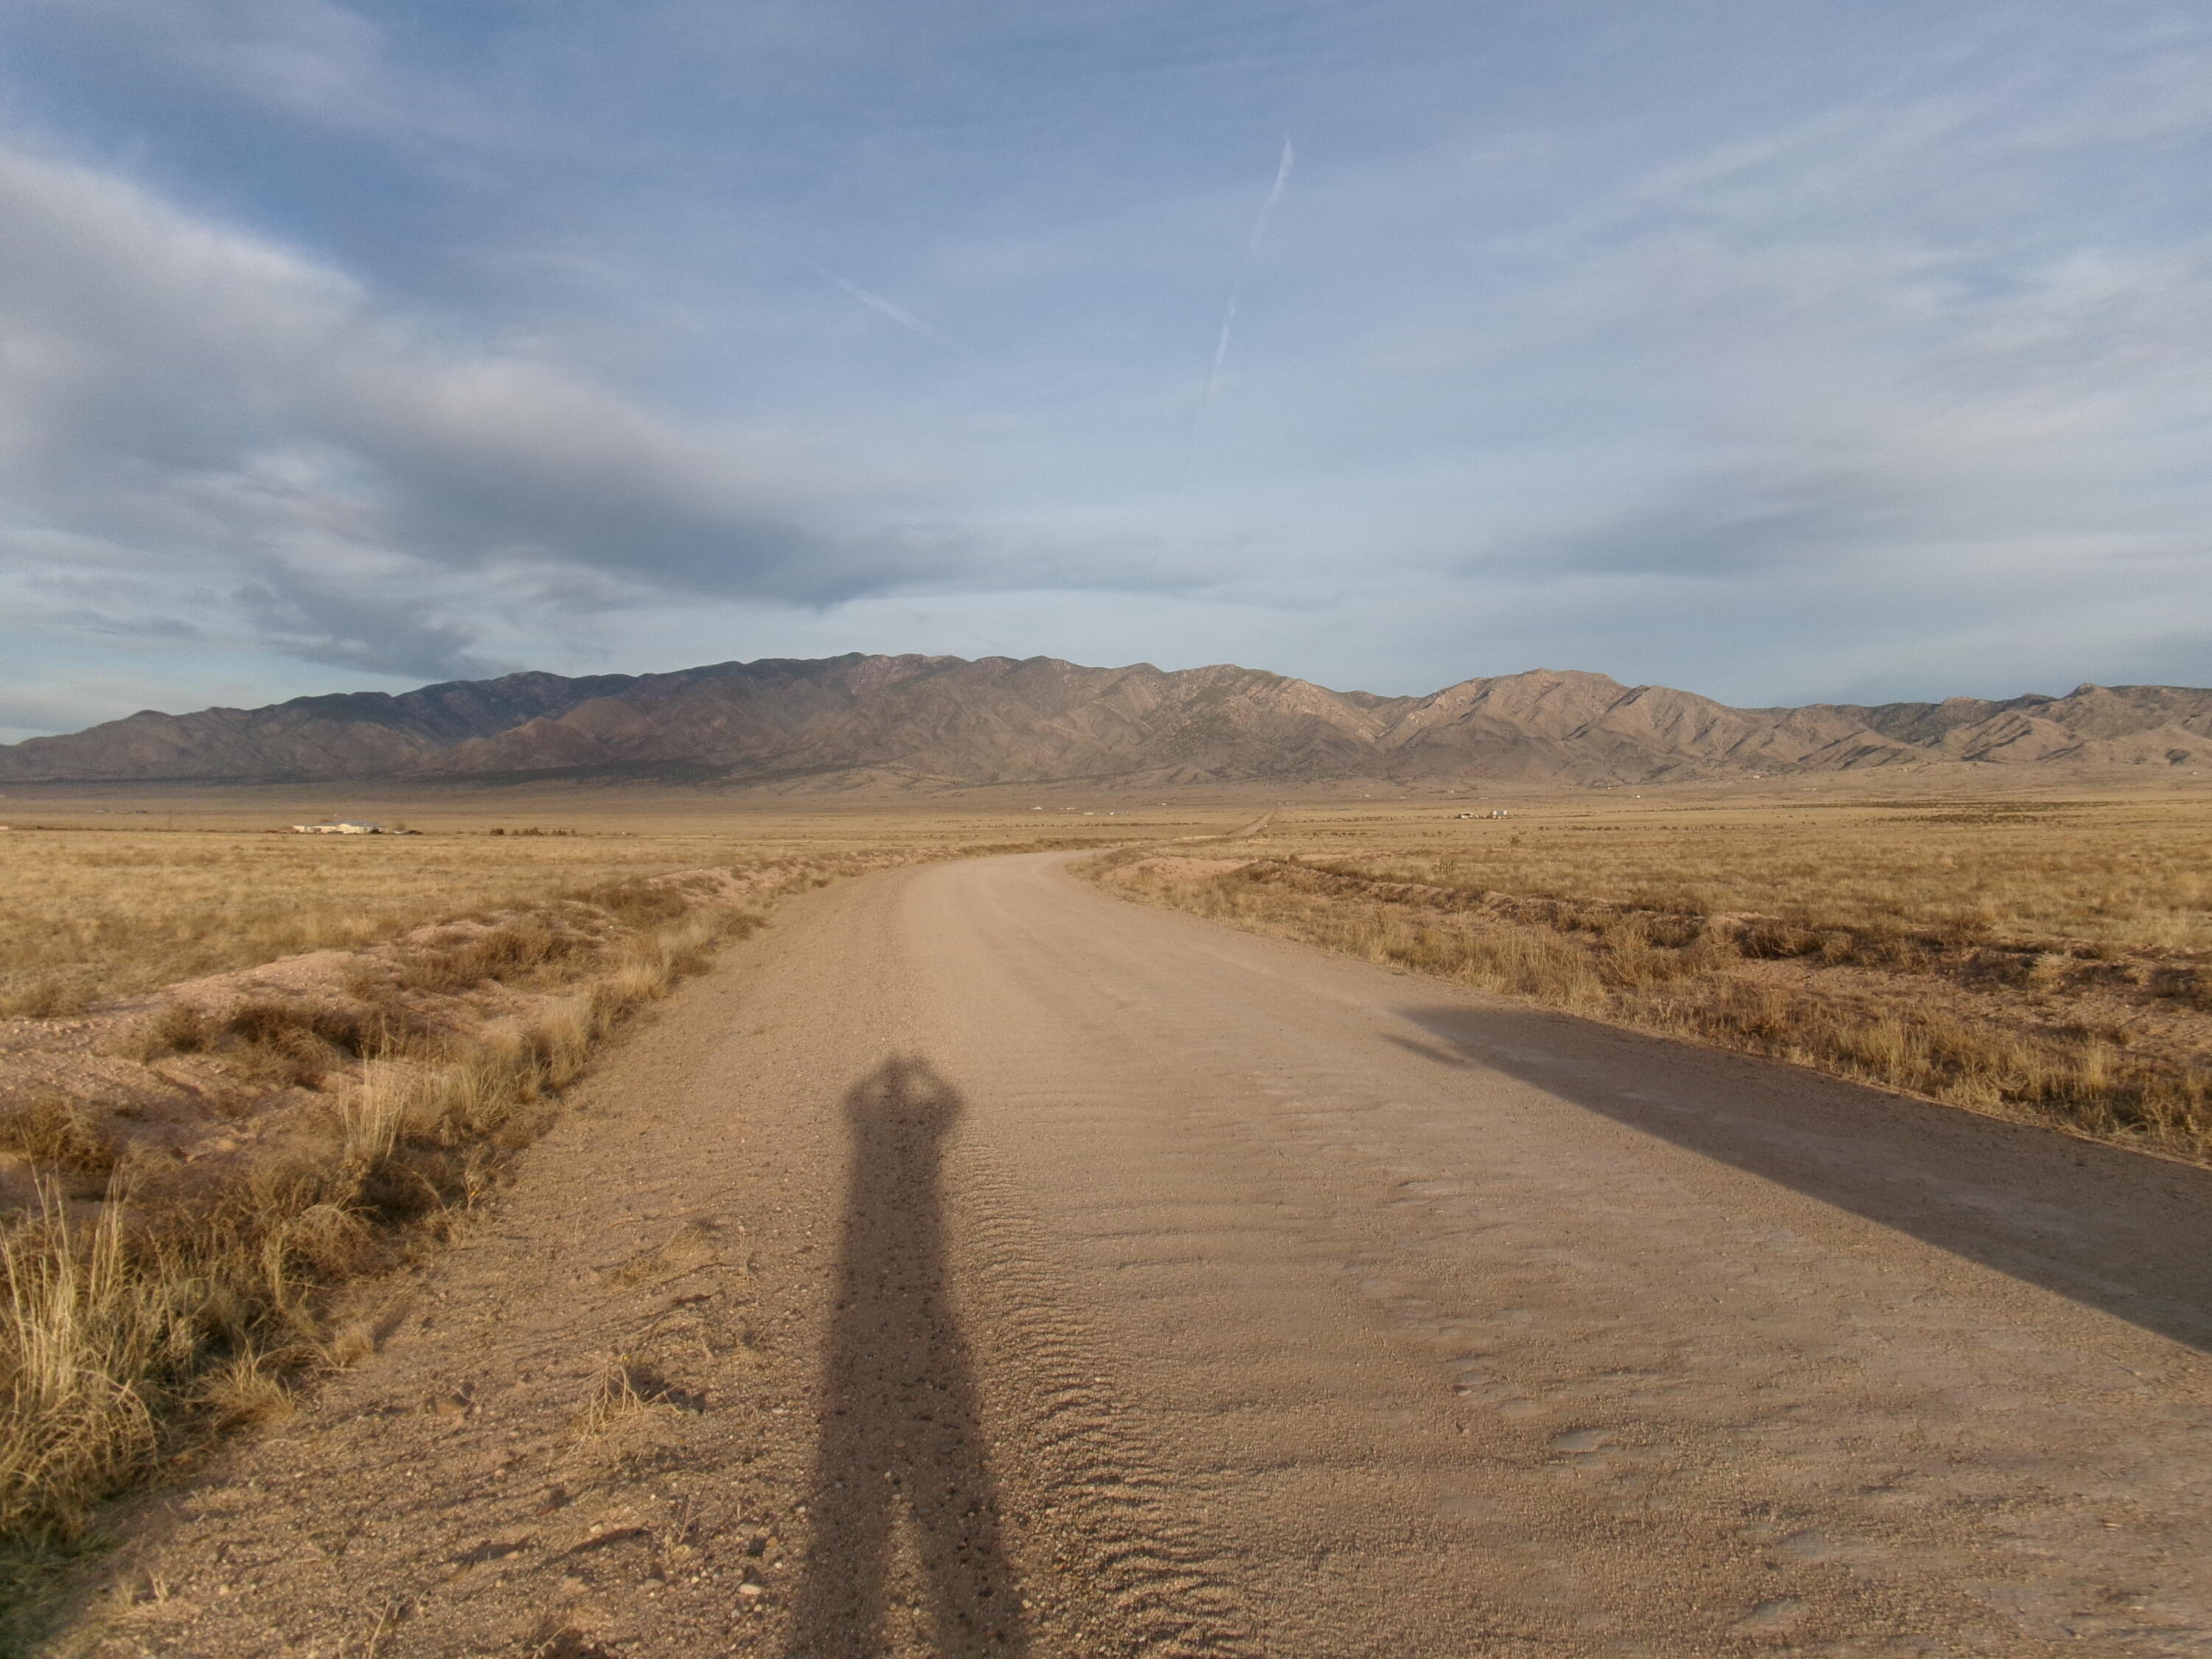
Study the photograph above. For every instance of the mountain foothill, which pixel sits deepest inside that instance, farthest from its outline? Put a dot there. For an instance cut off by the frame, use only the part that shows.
(919, 721)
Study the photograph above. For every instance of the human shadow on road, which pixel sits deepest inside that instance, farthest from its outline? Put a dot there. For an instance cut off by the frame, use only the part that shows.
(2098, 1225)
(900, 1434)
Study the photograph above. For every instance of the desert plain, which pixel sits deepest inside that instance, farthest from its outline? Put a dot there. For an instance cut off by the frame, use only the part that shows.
(1687, 1219)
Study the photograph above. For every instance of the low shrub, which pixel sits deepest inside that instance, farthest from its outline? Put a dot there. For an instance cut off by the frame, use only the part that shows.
(635, 903)
(512, 953)
(181, 1028)
(53, 1130)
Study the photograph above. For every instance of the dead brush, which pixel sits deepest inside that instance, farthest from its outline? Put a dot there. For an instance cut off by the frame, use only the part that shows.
(278, 1042)
(635, 903)
(198, 1316)
(284, 1044)
(164, 1314)
(59, 1132)
(510, 953)
(2190, 986)
(370, 1119)
(181, 1028)
(245, 1390)
(192, 1311)
(347, 1030)
(627, 1392)
(83, 1335)
(615, 1399)
(1630, 959)
(47, 994)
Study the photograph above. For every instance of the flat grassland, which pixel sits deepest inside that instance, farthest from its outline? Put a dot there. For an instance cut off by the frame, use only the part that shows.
(98, 902)
(2047, 957)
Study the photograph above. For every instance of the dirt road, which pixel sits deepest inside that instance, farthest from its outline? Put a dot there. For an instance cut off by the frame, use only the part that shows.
(985, 1265)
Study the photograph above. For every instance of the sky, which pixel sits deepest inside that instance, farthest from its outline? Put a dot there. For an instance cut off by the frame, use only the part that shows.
(1781, 350)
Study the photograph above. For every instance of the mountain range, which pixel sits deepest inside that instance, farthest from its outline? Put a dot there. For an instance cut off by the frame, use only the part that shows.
(923, 720)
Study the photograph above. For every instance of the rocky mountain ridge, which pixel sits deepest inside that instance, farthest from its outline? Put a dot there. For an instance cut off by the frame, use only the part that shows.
(920, 720)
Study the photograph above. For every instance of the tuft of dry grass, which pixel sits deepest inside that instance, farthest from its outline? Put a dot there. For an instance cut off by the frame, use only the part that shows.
(630, 1406)
(280, 1041)
(534, 949)
(59, 1132)
(85, 1331)
(615, 1399)
(247, 1390)
(181, 1028)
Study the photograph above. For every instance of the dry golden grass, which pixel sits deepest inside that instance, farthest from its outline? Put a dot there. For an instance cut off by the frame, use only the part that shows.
(61, 1133)
(85, 1327)
(87, 916)
(185, 1306)
(627, 1389)
(2132, 872)
(2050, 960)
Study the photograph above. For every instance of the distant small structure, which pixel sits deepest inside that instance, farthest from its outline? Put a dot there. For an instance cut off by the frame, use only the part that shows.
(339, 827)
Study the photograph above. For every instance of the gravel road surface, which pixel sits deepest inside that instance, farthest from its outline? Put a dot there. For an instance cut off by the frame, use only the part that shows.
(982, 1264)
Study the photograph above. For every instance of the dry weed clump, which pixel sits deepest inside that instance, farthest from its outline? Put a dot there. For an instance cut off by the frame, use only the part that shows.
(85, 1329)
(2089, 1031)
(61, 1133)
(536, 949)
(278, 1042)
(615, 1399)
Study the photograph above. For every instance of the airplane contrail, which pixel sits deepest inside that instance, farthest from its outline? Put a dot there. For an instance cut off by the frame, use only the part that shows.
(1275, 194)
(1236, 294)
(876, 302)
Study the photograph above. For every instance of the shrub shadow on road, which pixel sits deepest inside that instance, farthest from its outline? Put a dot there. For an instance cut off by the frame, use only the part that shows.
(2120, 1231)
(901, 1439)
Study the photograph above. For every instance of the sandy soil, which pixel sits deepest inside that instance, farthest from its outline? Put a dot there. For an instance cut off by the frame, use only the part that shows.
(979, 1264)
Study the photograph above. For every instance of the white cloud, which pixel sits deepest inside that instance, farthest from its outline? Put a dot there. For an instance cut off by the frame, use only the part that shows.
(208, 407)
